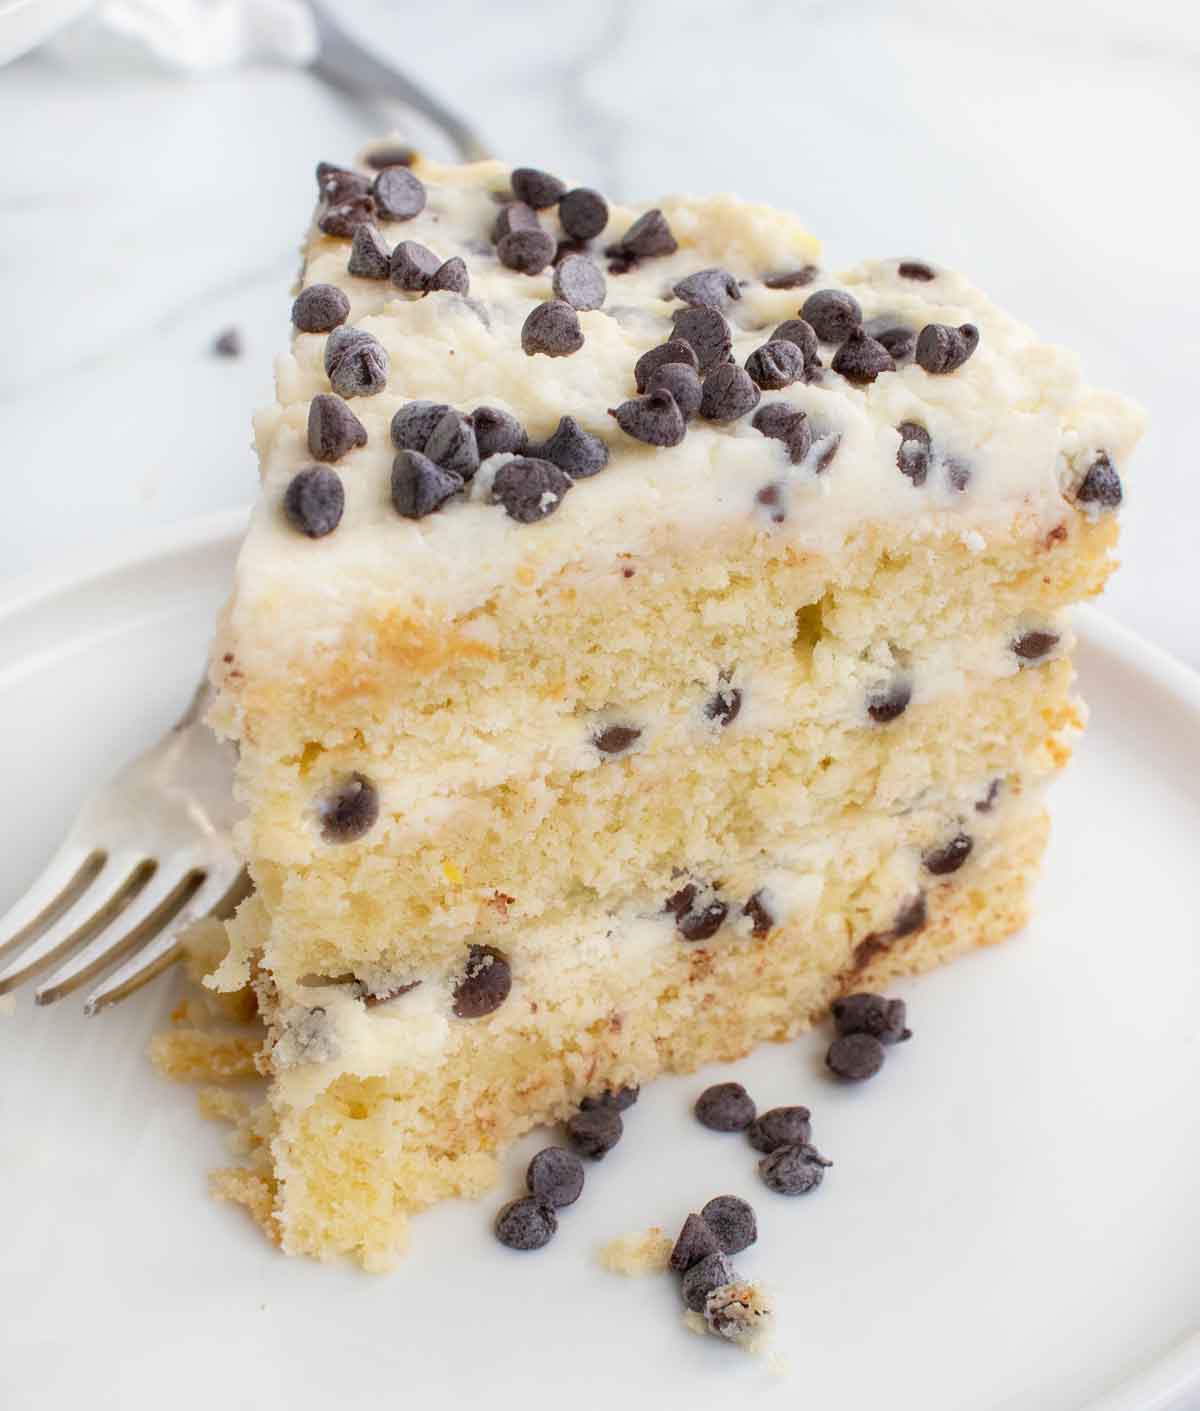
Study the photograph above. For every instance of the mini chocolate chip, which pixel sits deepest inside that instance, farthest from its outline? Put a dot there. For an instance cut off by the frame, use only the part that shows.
(526, 251)
(771, 497)
(370, 257)
(780, 1126)
(911, 917)
(579, 282)
(555, 1175)
(391, 154)
(451, 277)
(676, 351)
(728, 393)
(320, 308)
(654, 419)
(536, 188)
(707, 333)
(791, 278)
(698, 913)
(795, 330)
(912, 459)
(696, 1242)
(943, 349)
(594, 1133)
(855, 1056)
(516, 215)
(340, 183)
(781, 422)
(399, 195)
(527, 1223)
(915, 269)
(1031, 646)
(958, 473)
(583, 213)
(314, 501)
(413, 266)
(708, 288)
(861, 359)
(889, 703)
(333, 429)
(761, 920)
(648, 235)
(725, 1107)
(1101, 485)
(897, 338)
(613, 739)
(723, 706)
(342, 218)
(452, 445)
(793, 1170)
(573, 449)
(832, 314)
(529, 489)
(732, 1220)
(826, 450)
(988, 802)
(420, 485)
(553, 329)
(712, 1272)
(349, 811)
(682, 381)
(414, 424)
(374, 998)
(228, 343)
(776, 364)
(485, 983)
(948, 858)
(356, 362)
(872, 1014)
(497, 431)
(619, 1099)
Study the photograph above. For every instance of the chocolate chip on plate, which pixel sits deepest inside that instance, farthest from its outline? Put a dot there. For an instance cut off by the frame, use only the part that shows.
(314, 501)
(706, 331)
(485, 983)
(228, 343)
(761, 919)
(949, 857)
(580, 282)
(695, 1242)
(530, 489)
(536, 188)
(555, 1175)
(791, 278)
(552, 328)
(793, 1170)
(356, 362)
(780, 1126)
(1032, 646)
(723, 706)
(594, 1132)
(655, 419)
(912, 459)
(420, 486)
(349, 810)
(682, 381)
(527, 1223)
(452, 444)
(889, 702)
(832, 314)
(1101, 485)
(916, 269)
(333, 429)
(514, 216)
(943, 349)
(619, 1099)
(776, 364)
(648, 235)
(855, 1057)
(414, 424)
(725, 1107)
(711, 1272)
(451, 276)
(583, 213)
(573, 449)
(699, 914)
(860, 359)
(732, 1220)
(728, 393)
(527, 251)
(676, 351)
(781, 422)
(320, 308)
(497, 431)
(370, 257)
(872, 1014)
(413, 266)
(615, 739)
(708, 288)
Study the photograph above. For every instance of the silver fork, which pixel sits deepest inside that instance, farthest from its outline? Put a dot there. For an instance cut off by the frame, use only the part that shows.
(146, 856)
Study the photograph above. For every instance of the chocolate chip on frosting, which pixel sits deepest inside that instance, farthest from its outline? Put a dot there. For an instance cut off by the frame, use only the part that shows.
(583, 213)
(399, 195)
(527, 1223)
(761, 919)
(529, 489)
(655, 419)
(699, 913)
(526, 251)
(356, 362)
(682, 381)
(370, 257)
(860, 359)
(912, 459)
(708, 288)
(649, 235)
(793, 1170)
(497, 431)
(827, 446)
(333, 429)
(706, 331)
(390, 154)
(485, 984)
(676, 351)
(795, 330)
(451, 276)
(1101, 485)
(616, 739)
(916, 269)
(695, 1242)
(948, 857)
(855, 1057)
(341, 184)
(728, 393)
(943, 349)
(320, 308)
(555, 1175)
(781, 1126)
(349, 810)
(890, 702)
(514, 216)
(594, 1132)
(573, 449)
(579, 282)
(414, 424)
(452, 444)
(1032, 646)
(833, 314)
(552, 328)
(781, 422)
(314, 501)
(413, 266)
(776, 364)
(791, 278)
(420, 485)
(732, 1220)
(896, 337)
(536, 188)
(872, 1014)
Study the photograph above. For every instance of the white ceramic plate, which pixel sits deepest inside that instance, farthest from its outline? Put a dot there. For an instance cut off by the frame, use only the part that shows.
(1010, 1222)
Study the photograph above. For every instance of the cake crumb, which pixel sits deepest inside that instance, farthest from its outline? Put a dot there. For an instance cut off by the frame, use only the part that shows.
(251, 1189)
(642, 1252)
(196, 1055)
(694, 1323)
(740, 1313)
(222, 1105)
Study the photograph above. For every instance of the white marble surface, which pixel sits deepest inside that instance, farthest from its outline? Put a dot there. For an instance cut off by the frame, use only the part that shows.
(1046, 150)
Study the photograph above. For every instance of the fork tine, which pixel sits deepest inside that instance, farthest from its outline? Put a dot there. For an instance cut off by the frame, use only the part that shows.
(69, 873)
(152, 958)
(117, 883)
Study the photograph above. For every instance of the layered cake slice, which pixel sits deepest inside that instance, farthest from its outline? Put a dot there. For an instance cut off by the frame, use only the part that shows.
(644, 636)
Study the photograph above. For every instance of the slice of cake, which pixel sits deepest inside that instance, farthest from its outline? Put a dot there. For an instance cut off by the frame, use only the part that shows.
(643, 637)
